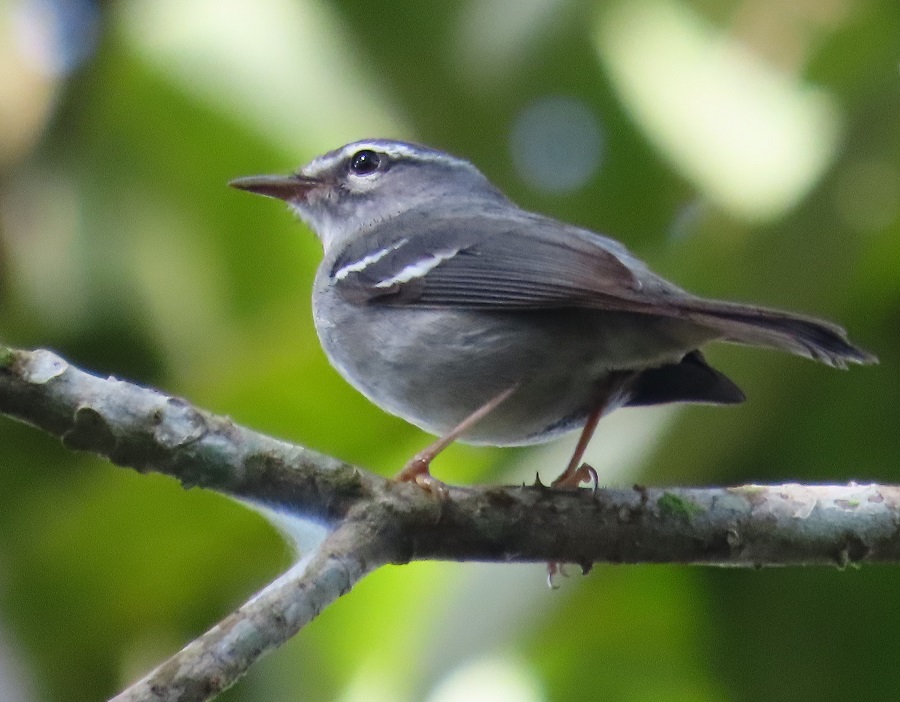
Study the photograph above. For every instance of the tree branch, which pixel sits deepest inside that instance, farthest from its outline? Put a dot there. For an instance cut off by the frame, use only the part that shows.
(212, 663)
(376, 521)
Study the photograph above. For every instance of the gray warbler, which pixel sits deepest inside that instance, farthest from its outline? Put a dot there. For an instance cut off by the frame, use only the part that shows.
(446, 304)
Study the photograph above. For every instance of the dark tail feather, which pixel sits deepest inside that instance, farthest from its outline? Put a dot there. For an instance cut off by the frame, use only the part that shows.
(805, 336)
(691, 380)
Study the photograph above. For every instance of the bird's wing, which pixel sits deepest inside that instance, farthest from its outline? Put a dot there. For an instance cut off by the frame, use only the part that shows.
(519, 261)
(493, 262)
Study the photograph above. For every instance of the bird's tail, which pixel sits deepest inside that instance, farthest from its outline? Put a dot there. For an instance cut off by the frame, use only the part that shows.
(757, 326)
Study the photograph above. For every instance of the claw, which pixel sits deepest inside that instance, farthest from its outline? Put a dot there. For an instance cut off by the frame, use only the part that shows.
(436, 487)
(588, 474)
(585, 473)
(554, 569)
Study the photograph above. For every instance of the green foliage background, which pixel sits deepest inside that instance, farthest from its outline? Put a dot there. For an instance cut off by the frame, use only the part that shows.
(121, 248)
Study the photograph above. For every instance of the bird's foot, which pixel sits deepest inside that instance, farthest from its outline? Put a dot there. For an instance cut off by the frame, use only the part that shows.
(574, 477)
(571, 479)
(554, 572)
(417, 471)
(553, 569)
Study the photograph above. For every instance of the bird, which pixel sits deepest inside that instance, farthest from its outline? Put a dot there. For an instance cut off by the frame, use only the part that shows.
(448, 305)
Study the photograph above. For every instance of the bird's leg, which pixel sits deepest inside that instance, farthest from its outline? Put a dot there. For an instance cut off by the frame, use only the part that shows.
(418, 468)
(577, 472)
(611, 393)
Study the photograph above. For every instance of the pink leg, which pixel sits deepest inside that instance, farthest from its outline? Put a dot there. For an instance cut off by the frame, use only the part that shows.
(577, 472)
(607, 392)
(418, 468)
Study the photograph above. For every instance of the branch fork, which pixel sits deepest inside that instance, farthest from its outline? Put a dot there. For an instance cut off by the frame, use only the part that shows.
(373, 521)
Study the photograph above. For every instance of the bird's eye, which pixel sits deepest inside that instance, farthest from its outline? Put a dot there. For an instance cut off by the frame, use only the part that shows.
(365, 162)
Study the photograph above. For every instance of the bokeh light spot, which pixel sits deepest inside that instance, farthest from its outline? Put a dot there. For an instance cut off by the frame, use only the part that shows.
(493, 38)
(488, 680)
(57, 36)
(556, 144)
(754, 139)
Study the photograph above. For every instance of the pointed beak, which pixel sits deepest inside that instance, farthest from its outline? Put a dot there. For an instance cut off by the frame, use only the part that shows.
(288, 188)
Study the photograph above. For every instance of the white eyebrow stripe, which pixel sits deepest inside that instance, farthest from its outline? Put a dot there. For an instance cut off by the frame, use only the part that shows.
(393, 149)
(366, 261)
(418, 268)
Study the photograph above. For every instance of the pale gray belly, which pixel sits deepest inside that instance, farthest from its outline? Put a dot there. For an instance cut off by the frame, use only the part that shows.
(435, 367)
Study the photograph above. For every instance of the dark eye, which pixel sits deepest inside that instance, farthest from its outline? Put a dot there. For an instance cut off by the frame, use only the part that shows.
(365, 162)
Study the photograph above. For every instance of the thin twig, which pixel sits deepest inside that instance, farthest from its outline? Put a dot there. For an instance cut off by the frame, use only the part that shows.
(214, 661)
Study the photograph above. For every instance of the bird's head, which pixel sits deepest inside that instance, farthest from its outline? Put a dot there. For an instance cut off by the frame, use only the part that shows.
(363, 183)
